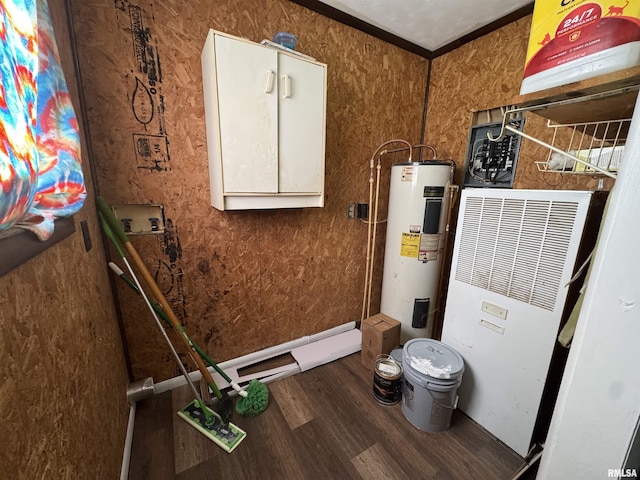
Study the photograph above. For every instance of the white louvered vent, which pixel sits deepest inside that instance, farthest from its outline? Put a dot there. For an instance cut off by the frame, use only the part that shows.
(516, 247)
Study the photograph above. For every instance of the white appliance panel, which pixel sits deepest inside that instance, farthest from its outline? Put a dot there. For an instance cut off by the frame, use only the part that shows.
(514, 253)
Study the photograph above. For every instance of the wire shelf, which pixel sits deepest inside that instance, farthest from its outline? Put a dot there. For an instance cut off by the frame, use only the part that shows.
(594, 148)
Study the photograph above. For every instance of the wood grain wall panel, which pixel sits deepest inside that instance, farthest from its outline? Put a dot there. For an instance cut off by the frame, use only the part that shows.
(63, 376)
(485, 74)
(240, 281)
(482, 74)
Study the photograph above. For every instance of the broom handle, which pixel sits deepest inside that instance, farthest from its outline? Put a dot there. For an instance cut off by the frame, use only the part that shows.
(163, 316)
(111, 220)
(158, 309)
(178, 327)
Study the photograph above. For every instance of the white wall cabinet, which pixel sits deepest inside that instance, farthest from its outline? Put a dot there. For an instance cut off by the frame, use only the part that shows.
(265, 117)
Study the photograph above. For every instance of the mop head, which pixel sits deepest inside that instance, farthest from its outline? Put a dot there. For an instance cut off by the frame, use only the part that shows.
(222, 406)
(226, 435)
(256, 400)
(225, 409)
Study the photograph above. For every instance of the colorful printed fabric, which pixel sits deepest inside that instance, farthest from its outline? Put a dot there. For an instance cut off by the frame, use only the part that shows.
(18, 72)
(54, 186)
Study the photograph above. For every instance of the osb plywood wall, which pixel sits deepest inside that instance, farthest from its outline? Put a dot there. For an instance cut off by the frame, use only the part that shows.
(239, 281)
(485, 74)
(62, 374)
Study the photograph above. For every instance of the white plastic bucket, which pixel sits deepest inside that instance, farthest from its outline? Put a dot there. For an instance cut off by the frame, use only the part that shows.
(432, 374)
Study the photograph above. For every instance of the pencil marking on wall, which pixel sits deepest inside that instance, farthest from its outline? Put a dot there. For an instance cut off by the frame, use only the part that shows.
(146, 55)
(148, 107)
(160, 110)
(142, 103)
(152, 151)
(213, 335)
(204, 267)
(171, 241)
(120, 5)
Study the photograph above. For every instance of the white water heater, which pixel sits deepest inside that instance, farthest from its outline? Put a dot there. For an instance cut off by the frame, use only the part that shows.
(418, 202)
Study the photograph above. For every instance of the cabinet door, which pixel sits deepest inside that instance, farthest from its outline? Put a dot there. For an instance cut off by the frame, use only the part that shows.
(248, 102)
(302, 125)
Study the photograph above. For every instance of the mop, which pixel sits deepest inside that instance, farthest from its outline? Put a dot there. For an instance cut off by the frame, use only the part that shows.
(226, 435)
(252, 401)
(255, 399)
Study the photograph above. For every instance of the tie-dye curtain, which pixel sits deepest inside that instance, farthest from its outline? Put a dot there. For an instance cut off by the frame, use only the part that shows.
(40, 165)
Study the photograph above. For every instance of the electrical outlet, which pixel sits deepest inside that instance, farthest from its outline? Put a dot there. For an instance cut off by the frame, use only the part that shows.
(140, 219)
(351, 211)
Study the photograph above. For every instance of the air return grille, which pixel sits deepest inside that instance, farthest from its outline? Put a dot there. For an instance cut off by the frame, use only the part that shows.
(516, 247)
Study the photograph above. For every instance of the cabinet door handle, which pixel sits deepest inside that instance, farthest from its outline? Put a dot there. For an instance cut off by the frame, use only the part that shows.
(287, 86)
(269, 87)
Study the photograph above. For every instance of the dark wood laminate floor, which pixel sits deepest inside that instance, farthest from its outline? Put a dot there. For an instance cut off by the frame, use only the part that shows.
(320, 424)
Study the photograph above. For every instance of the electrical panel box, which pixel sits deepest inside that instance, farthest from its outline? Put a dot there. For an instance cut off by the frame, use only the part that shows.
(492, 163)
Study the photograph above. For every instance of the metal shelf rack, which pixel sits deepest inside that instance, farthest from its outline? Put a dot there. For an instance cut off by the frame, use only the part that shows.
(593, 147)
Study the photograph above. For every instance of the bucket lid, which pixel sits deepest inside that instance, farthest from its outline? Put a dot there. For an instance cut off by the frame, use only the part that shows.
(432, 358)
(388, 366)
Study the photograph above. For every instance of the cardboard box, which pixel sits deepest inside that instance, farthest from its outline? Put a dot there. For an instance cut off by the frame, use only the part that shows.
(380, 335)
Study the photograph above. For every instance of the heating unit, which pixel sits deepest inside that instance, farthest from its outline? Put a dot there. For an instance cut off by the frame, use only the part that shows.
(514, 254)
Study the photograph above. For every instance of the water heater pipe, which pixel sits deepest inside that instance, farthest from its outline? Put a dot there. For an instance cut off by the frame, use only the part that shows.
(437, 329)
(420, 146)
(365, 310)
(372, 225)
(374, 234)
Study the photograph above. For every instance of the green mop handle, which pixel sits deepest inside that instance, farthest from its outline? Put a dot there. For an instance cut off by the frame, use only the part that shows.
(117, 231)
(158, 309)
(161, 314)
(109, 232)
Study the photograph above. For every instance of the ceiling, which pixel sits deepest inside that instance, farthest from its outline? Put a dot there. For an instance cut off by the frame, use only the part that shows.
(426, 27)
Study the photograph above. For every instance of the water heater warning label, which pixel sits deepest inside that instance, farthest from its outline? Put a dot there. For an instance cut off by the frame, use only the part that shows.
(410, 245)
(408, 173)
(429, 244)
